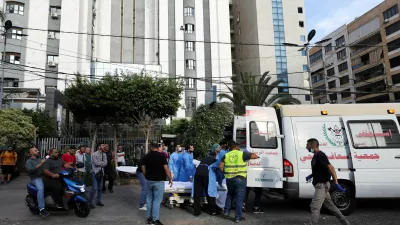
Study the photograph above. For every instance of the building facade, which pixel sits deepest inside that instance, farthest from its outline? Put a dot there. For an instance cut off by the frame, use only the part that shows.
(188, 39)
(267, 24)
(373, 41)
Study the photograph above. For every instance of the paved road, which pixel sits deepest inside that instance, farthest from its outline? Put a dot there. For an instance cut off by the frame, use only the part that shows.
(121, 208)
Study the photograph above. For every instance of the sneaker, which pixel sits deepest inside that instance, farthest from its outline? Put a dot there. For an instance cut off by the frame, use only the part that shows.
(91, 206)
(150, 221)
(157, 222)
(244, 208)
(241, 219)
(8, 182)
(44, 213)
(257, 210)
(144, 208)
(100, 204)
(111, 191)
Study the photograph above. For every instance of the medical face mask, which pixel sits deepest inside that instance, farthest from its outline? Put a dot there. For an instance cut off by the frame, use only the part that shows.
(179, 149)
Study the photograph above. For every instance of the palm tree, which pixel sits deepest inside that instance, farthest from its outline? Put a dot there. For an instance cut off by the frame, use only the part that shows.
(253, 92)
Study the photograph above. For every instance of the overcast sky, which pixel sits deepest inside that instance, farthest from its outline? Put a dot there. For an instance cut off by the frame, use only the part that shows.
(326, 16)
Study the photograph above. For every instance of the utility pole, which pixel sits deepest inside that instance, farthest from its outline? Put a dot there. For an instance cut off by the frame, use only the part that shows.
(7, 26)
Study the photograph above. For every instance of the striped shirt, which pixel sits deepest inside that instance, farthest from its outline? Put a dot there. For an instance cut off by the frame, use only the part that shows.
(99, 161)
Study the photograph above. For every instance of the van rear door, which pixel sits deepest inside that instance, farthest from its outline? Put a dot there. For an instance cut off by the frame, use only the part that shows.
(374, 143)
(262, 138)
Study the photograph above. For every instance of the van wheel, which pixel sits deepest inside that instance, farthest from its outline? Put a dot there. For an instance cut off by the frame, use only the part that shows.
(344, 201)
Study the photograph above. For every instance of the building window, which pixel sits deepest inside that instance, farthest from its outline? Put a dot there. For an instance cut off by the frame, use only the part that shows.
(301, 23)
(342, 67)
(393, 45)
(332, 84)
(330, 72)
(189, 28)
(300, 9)
(302, 37)
(316, 57)
(393, 28)
(392, 11)
(304, 53)
(189, 46)
(54, 35)
(190, 64)
(317, 78)
(190, 83)
(308, 98)
(15, 33)
(328, 48)
(55, 11)
(190, 103)
(189, 11)
(52, 60)
(346, 94)
(10, 82)
(15, 8)
(305, 68)
(344, 80)
(341, 55)
(339, 42)
(394, 62)
(14, 58)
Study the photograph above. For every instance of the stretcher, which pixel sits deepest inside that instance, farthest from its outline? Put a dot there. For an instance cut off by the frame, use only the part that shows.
(180, 194)
(127, 169)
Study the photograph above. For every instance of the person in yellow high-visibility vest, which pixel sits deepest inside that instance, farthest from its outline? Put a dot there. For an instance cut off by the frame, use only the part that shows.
(234, 166)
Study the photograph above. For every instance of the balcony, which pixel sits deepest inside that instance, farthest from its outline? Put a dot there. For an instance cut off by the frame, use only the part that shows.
(370, 75)
(365, 45)
(367, 61)
(365, 31)
(371, 90)
(316, 66)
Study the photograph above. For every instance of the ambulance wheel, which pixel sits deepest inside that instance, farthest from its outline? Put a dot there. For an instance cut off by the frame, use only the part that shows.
(346, 201)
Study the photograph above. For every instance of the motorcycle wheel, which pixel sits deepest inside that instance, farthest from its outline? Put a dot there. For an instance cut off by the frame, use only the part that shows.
(82, 210)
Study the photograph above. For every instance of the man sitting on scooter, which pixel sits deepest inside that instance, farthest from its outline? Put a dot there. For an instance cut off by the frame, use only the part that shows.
(51, 169)
(34, 165)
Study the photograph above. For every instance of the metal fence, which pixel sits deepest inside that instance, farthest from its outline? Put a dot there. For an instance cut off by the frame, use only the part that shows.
(133, 147)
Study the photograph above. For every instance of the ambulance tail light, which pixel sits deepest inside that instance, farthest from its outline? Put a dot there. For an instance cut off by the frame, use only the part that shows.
(288, 168)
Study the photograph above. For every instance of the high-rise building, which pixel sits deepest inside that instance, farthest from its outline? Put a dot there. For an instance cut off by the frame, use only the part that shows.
(258, 30)
(188, 39)
(370, 45)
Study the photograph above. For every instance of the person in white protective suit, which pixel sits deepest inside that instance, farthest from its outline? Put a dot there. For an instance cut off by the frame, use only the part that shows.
(175, 163)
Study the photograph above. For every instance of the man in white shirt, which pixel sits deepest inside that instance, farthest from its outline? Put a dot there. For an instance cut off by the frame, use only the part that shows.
(80, 158)
(121, 156)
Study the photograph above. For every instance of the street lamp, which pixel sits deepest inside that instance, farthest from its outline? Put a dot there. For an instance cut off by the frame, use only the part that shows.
(306, 47)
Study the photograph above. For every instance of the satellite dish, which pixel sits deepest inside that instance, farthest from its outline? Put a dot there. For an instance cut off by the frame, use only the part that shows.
(8, 24)
(310, 35)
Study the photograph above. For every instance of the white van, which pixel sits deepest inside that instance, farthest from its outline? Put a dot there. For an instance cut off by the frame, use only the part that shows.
(362, 142)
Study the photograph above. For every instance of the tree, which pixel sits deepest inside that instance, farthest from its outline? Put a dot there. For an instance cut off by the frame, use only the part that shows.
(253, 92)
(16, 128)
(208, 124)
(46, 126)
(147, 98)
(177, 127)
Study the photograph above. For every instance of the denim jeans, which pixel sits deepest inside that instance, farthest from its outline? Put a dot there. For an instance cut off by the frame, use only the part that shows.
(237, 190)
(143, 193)
(97, 186)
(38, 182)
(155, 193)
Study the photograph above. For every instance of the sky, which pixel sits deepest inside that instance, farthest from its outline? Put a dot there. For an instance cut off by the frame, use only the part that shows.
(326, 16)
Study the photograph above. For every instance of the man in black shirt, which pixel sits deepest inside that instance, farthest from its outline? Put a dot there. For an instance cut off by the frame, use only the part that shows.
(201, 184)
(108, 170)
(322, 171)
(155, 168)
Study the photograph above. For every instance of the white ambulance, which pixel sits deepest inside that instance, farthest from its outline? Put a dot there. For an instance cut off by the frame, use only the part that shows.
(362, 142)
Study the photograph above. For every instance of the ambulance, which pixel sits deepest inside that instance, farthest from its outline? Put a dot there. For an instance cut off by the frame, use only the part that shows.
(362, 142)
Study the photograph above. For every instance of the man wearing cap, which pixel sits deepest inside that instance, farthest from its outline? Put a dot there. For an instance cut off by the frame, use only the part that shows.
(234, 166)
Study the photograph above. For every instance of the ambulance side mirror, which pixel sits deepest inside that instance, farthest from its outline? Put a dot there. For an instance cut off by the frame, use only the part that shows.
(280, 136)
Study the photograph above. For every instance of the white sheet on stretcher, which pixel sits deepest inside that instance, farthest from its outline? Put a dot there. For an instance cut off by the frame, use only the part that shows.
(127, 169)
(186, 187)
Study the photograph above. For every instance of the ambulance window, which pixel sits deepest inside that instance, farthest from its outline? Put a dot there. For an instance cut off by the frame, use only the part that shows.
(241, 137)
(263, 135)
(374, 134)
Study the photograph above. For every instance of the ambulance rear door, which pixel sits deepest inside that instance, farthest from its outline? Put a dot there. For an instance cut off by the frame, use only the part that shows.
(263, 138)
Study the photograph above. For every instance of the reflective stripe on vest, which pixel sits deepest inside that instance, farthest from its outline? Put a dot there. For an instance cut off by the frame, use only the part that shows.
(234, 164)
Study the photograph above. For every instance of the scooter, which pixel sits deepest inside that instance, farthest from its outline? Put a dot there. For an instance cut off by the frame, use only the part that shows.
(74, 196)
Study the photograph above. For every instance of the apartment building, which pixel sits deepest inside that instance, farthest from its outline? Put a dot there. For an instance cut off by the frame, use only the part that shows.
(185, 38)
(373, 41)
(330, 70)
(266, 25)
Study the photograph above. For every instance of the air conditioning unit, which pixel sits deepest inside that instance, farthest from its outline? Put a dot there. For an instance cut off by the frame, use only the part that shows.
(54, 15)
(52, 64)
(386, 21)
(343, 44)
(49, 36)
(343, 57)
